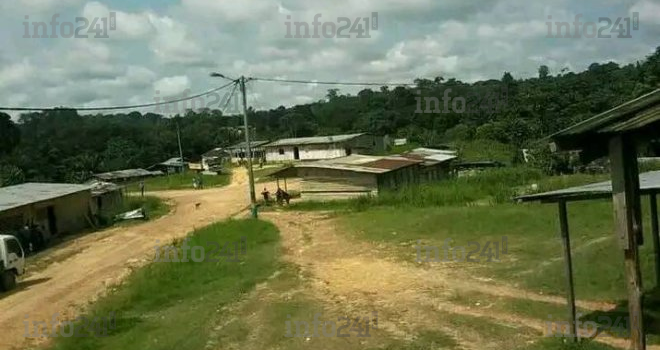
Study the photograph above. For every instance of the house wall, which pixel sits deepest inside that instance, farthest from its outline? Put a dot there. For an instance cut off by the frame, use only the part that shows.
(365, 144)
(435, 172)
(306, 152)
(108, 204)
(326, 184)
(400, 178)
(238, 155)
(70, 214)
(369, 144)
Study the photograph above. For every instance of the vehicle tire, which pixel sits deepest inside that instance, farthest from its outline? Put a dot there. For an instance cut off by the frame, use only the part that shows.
(7, 281)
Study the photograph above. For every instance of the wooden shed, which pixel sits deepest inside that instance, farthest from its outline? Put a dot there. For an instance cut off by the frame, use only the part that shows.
(353, 176)
(617, 133)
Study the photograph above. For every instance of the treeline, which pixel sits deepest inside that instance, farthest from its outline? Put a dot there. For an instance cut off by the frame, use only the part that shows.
(63, 145)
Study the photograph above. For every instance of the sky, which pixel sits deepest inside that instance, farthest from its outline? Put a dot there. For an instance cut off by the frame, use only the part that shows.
(162, 49)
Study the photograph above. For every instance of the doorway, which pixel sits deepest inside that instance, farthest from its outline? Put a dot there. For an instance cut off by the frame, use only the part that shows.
(52, 221)
(296, 153)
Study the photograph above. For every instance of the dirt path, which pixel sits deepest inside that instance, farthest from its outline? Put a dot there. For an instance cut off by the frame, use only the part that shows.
(86, 267)
(358, 277)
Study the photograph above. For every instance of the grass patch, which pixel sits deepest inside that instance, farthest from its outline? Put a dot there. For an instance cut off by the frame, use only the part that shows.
(179, 182)
(176, 305)
(262, 174)
(153, 206)
(489, 187)
(565, 344)
(534, 256)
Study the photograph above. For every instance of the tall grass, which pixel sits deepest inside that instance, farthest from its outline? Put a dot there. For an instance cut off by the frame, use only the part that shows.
(488, 187)
(169, 305)
(493, 186)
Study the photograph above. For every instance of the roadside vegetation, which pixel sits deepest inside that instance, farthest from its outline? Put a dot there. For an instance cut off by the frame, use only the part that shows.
(495, 186)
(180, 182)
(168, 305)
(480, 209)
(153, 206)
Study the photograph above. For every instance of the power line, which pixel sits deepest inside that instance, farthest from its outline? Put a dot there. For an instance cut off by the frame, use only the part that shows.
(115, 107)
(330, 82)
(229, 98)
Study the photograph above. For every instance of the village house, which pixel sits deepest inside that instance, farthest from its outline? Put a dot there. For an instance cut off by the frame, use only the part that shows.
(127, 175)
(353, 176)
(436, 163)
(215, 160)
(238, 152)
(171, 166)
(324, 147)
(107, 198)
(55, 208)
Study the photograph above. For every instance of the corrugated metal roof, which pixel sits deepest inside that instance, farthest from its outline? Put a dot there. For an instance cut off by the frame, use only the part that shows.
(647, 181)
(431, 156)
(216, 152)
(125, 174)
(176, 161)
(101, 187)
(313, 140)
(391, 163)
(20, 195)
(361, 163)
(253, 144)
(629, 116)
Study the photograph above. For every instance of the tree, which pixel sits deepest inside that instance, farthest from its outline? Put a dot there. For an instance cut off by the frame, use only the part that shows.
(544, 72)
(10, 135)
(10, 175)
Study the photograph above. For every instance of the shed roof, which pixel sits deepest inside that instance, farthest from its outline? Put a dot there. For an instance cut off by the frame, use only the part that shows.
(314, 140)
(215, 153)
(357, 163)
(431, 156)
(176, 161)
(627, 117)
(619, 119)
(29, 193)
(100, 187)
(648, 182)
(126, 174)
(242, 145)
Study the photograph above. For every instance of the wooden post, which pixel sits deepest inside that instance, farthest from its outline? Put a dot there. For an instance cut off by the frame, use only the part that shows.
(568, 263)
(656, 234)
(625, 201)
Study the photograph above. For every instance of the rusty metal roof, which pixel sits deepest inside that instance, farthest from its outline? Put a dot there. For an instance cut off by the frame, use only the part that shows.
(356, 163)
(390, 163)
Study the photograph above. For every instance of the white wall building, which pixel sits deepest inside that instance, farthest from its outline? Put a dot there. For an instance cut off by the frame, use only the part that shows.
(323, 147)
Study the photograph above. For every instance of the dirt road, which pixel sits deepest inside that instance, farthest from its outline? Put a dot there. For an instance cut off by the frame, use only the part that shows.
(357, 275)
(83, 269)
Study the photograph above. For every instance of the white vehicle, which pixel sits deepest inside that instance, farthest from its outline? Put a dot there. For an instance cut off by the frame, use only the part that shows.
(12, 262)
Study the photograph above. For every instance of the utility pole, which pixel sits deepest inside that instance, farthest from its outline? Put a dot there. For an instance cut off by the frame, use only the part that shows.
(178, 136)
(248, 146)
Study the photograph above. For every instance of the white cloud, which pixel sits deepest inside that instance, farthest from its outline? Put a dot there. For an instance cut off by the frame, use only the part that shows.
(16, 73)
(649, 12)
(172, 48)
(170, 86)
(232, 11)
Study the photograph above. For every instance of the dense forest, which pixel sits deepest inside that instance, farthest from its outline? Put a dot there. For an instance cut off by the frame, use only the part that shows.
(63, 145)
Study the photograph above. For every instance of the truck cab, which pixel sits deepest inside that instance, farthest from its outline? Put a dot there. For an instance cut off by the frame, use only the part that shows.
(12, 262)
